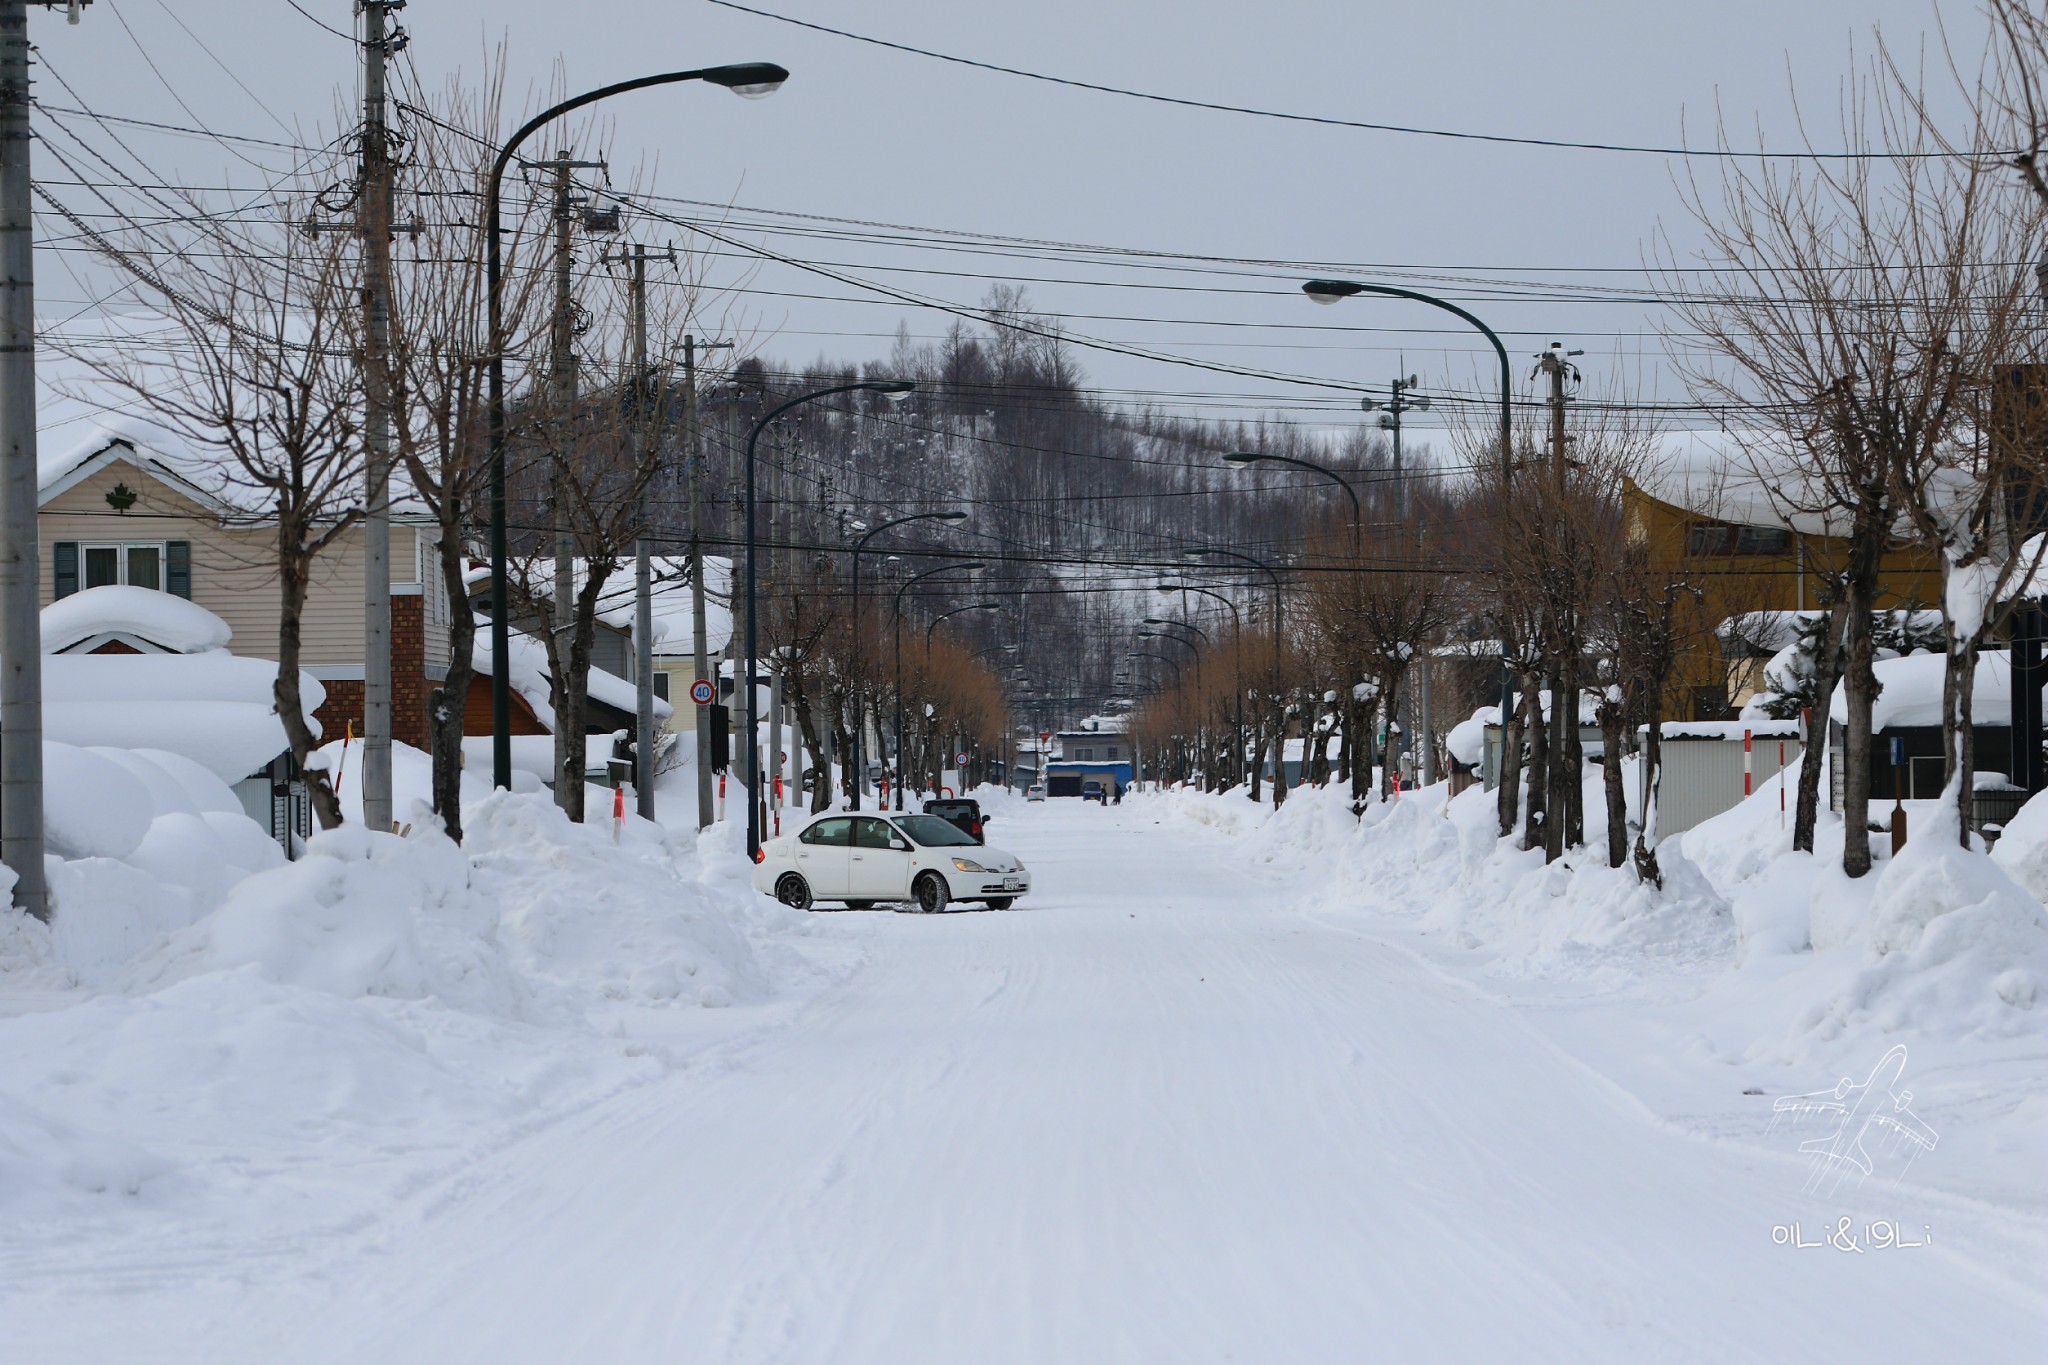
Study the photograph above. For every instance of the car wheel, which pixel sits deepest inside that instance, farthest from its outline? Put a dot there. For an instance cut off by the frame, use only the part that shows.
(860, 905)
(793, 891)
(931, 893)
(1001, 902)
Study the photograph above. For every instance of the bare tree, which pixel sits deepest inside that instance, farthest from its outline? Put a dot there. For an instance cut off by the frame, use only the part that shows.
(1850, 326)
(258, 379)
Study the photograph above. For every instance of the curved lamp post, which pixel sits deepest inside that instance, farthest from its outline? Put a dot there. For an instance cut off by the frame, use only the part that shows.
(860, 772)
(973, 606)
(1330, 291)
(1245, 459)
(896, 390)
(1166, 659)
(749, 79)
(1279, 704)
(1237, 662)
(896, 629)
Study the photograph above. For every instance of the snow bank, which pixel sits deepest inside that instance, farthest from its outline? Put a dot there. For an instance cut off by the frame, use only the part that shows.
(297, 1047)
(159, 617)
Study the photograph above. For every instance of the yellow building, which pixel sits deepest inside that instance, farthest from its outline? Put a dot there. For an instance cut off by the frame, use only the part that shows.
(1733, 538)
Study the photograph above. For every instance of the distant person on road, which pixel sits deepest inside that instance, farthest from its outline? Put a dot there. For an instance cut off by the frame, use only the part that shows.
(1116, 792)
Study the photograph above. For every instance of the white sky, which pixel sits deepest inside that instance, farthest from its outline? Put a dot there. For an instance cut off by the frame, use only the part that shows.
(864, 133)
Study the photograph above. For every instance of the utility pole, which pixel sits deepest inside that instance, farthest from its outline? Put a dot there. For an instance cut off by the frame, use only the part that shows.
(643, 584)
(1390, 420)
(21, 553)
(694, 459)
(373, 220)
(562, 363)
(1559, 820)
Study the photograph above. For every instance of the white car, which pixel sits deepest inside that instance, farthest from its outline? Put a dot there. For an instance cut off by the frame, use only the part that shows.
(1035, 792)
(862, 859)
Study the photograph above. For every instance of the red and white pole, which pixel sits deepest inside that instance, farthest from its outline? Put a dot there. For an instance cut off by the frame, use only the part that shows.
(1748, 780)
(1781, 784)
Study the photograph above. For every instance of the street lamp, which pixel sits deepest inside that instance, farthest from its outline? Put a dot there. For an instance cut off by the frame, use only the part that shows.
(860, 772)
(1237, 662)
(975, 606)
(1184, 625)
(749, 79)
(895, 390)
(1168, 660)
(1279, 703)
(1330, 291)
(896, 629)
(1245, 459)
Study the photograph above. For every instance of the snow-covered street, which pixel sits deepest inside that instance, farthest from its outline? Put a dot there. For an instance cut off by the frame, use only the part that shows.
(1156, 1113)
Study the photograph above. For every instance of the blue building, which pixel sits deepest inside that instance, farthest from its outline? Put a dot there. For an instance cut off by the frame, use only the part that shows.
(1094, 754)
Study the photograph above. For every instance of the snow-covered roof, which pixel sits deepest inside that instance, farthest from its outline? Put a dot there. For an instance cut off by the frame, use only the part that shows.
(669, 605)
(160, 618)
(1714, 475)
(1726, 729)
(528, 677)
(214, 708)
(1911, 695)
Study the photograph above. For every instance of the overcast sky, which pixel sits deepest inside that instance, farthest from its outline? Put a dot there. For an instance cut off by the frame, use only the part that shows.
(869, 134)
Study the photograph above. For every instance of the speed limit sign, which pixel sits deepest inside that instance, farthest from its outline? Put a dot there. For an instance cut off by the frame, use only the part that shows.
(701, 692)
(959, 760)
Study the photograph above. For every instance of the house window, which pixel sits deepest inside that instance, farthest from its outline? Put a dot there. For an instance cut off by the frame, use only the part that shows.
(1110, 752)
(661, 685)
(1762, 540)
(165, 566)
(1707, 538)
(1085, 755)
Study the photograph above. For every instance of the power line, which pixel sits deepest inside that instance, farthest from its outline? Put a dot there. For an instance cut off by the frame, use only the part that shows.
(1506, 139)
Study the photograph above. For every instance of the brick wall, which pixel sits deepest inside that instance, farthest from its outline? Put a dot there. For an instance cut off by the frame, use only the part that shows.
(409, 683)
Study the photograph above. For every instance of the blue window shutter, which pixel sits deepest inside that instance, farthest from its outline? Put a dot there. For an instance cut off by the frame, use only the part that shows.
(66, 563)
(178, 568)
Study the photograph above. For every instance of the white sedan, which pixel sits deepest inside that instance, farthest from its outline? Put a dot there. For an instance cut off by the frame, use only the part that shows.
(862, 859)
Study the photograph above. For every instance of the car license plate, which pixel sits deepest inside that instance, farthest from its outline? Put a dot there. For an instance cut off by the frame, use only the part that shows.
(1013, 883)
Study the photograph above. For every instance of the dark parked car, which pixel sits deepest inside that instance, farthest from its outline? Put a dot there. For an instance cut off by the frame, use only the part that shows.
(1092, 791)
(963, 814)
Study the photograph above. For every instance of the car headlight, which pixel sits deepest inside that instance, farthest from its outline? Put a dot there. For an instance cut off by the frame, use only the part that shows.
(968, 865)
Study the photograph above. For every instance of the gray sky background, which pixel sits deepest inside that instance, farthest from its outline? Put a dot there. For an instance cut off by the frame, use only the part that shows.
(863, 133)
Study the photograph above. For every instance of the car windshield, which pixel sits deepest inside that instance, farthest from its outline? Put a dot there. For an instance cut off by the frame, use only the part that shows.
(933, 832)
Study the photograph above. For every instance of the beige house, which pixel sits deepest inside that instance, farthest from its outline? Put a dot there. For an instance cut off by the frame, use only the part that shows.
(118, 511)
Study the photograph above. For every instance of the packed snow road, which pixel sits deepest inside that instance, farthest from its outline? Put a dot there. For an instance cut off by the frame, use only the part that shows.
(1153, 1114)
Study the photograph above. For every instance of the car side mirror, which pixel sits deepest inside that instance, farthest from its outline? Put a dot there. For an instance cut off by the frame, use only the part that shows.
(899, 846)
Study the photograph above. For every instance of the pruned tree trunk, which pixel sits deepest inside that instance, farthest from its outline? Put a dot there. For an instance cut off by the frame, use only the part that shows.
(1535, 725)
(295, 565)
(1827, 671)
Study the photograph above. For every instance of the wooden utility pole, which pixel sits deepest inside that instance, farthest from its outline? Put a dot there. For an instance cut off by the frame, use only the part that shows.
(1561, 821)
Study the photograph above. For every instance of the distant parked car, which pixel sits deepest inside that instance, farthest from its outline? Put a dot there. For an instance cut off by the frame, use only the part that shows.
(1092, 791)
(963, 813)
(862, 859)
(1035, 792)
